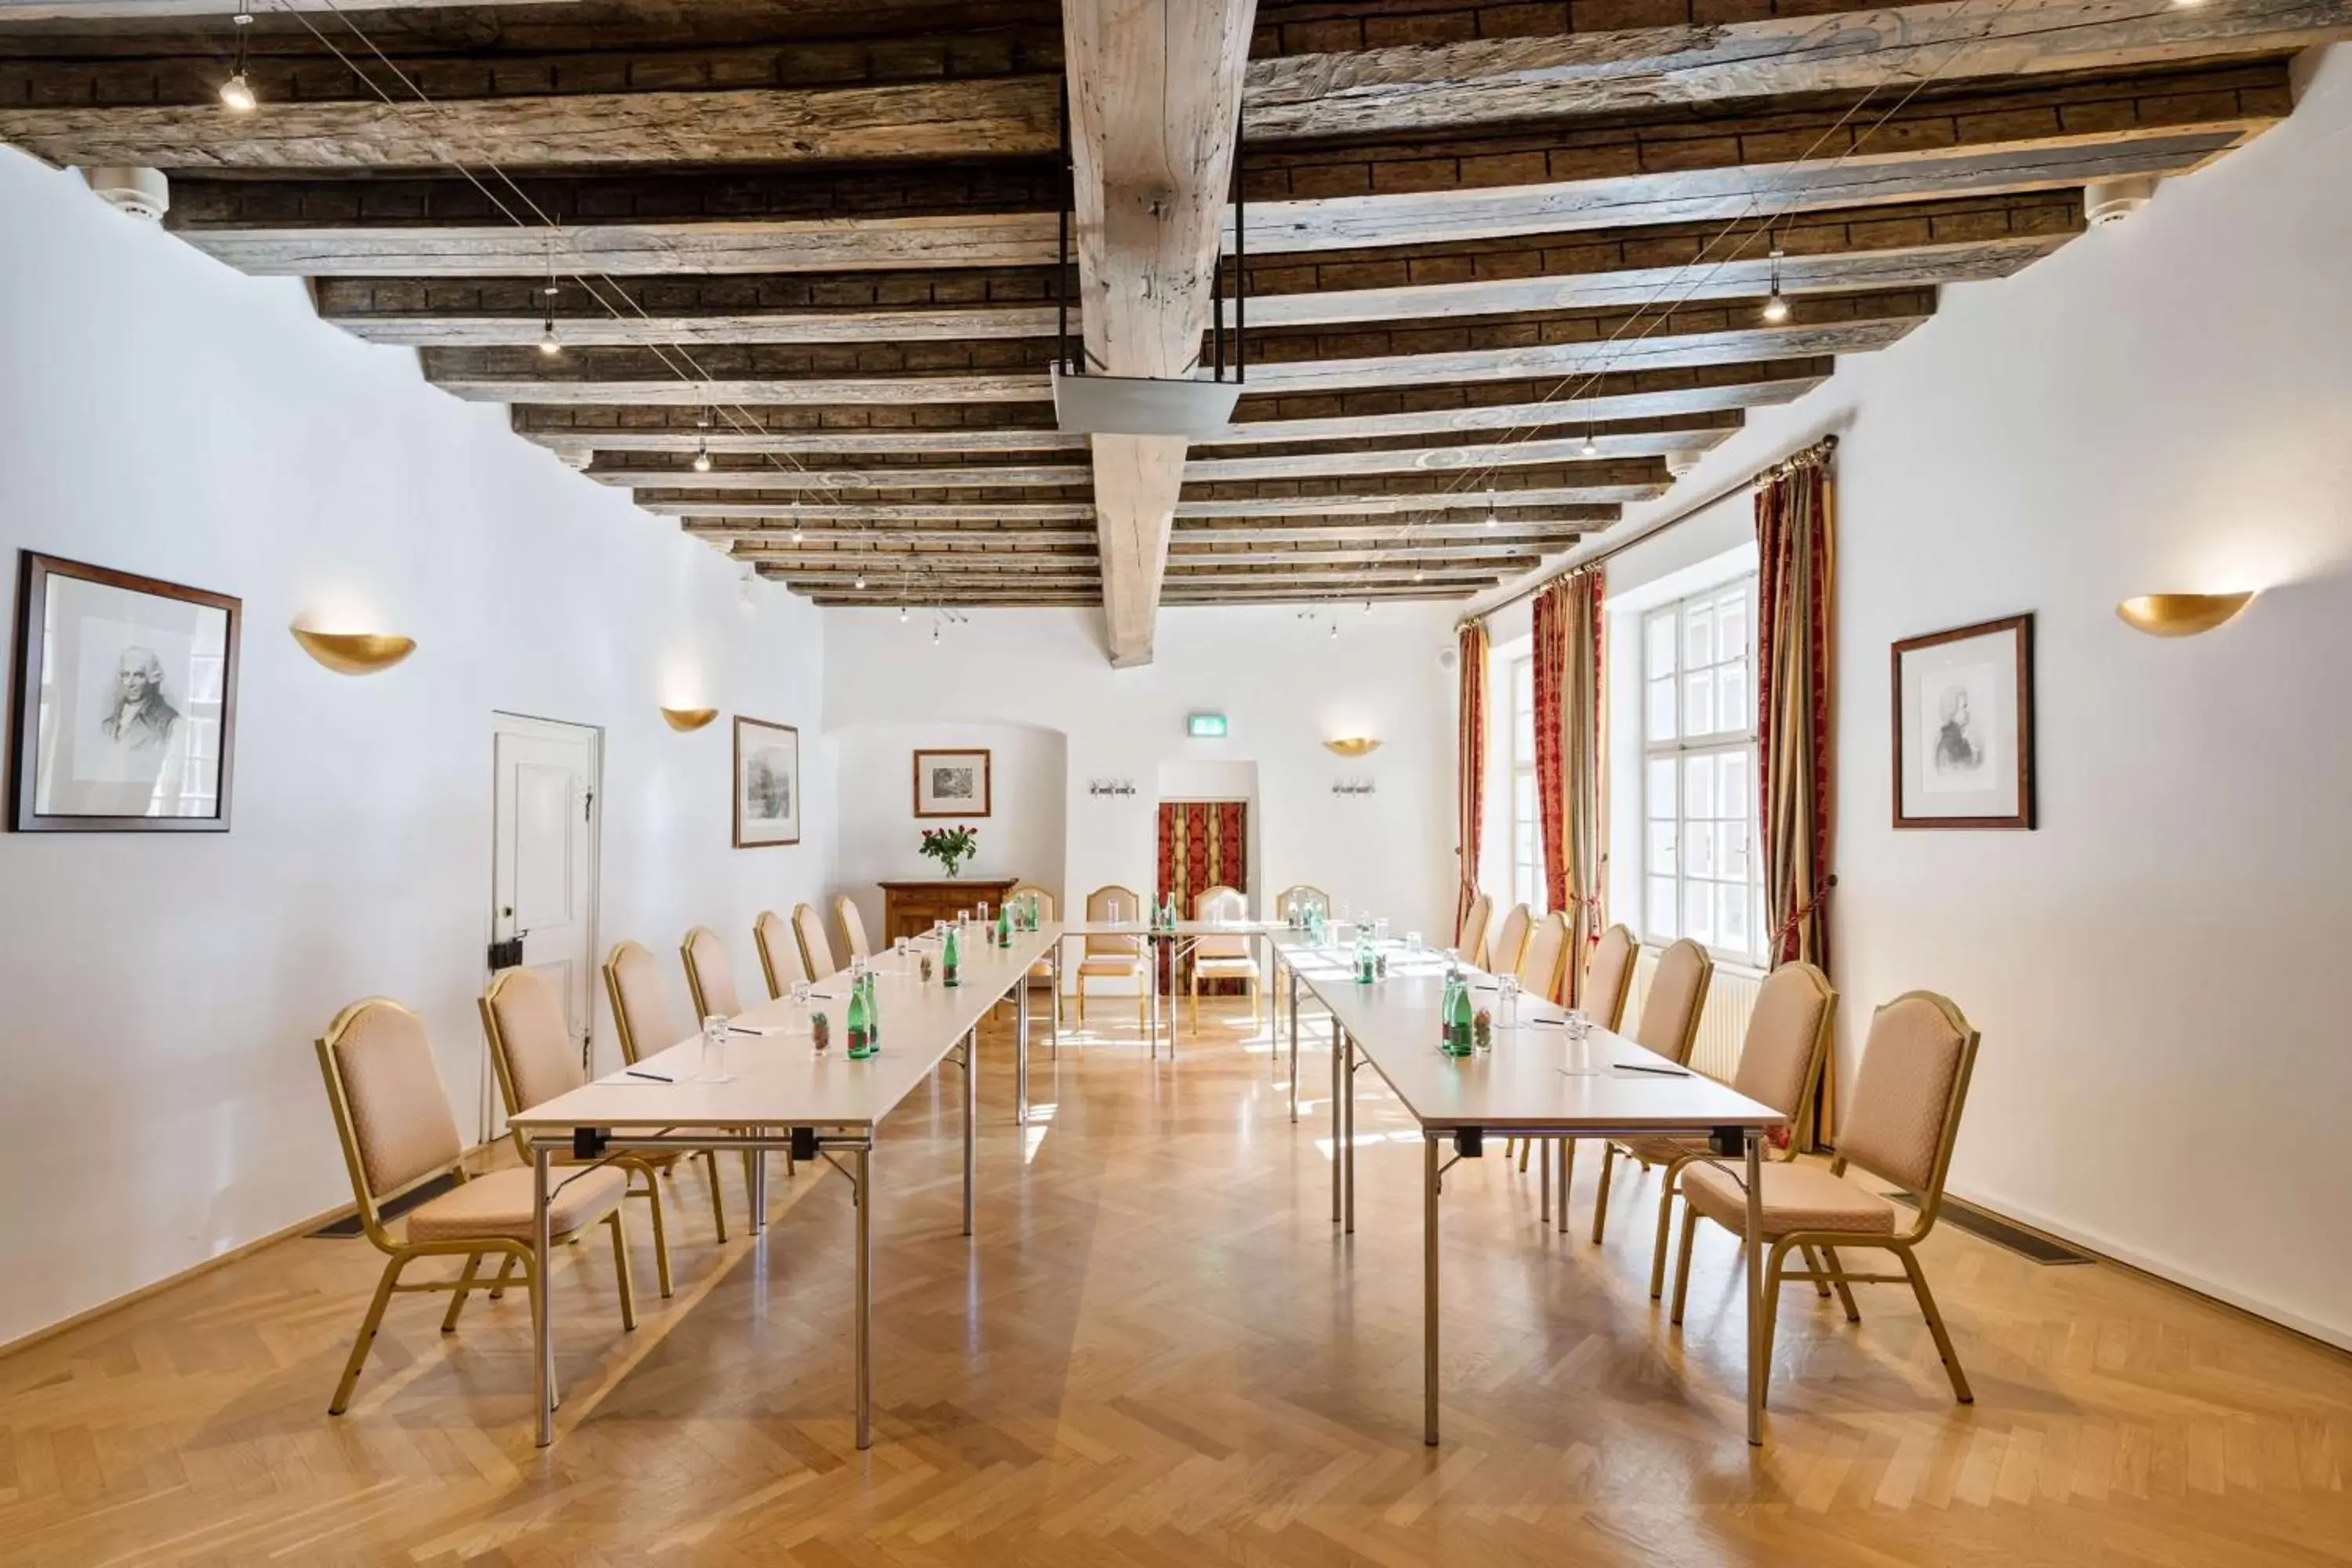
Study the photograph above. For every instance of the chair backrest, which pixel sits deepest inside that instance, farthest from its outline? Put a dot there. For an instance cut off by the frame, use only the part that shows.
(391, 1111)
(1907, 1095)
(1510, 940)
(852, 926)
(641, 1011)
(1472, 947)
(710, 974)
(1221, 903)
(1114, 902)
(1031, 890)
(1788, 1040)
(1609, 977)
(1670, 1013)
(531, 1051)
(1302, 894)
(816, 953)
(779, 959)
(1545, 958)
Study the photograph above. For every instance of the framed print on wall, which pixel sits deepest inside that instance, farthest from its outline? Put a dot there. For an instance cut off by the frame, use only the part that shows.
(952, 784)
(1964, 727)
(767, 783)
(125, 702)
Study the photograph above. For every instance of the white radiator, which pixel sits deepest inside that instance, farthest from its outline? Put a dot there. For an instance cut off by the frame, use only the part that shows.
(1730, 998)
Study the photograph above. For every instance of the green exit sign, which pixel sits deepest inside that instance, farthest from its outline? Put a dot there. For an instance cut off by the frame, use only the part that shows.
(1205, 726)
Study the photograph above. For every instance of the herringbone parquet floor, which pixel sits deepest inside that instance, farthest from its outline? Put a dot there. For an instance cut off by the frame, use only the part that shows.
(1158, 1353)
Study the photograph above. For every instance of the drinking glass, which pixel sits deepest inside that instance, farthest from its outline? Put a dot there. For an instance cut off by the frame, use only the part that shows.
(901, 947)
(1580, 1024)
(984, 911)
(714, 1050)
(1507, 1001)
(1380, 928)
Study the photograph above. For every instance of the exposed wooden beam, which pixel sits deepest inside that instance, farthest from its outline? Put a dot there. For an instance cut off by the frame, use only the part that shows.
(1547, 528)
(777, 519)
(1462, 457)
(847, 443)
(728, 392)
(162, 10)
(787, 477)
(1416, 501)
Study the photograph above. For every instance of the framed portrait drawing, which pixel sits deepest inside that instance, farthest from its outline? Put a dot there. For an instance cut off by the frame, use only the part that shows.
(952, 784)
(123, 715)
(1964, 727)
(767, 783)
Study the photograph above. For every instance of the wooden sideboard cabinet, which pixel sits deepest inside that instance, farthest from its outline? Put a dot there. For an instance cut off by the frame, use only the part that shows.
(909, 908)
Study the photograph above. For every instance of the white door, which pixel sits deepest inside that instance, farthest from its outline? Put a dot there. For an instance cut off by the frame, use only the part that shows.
(543, 868)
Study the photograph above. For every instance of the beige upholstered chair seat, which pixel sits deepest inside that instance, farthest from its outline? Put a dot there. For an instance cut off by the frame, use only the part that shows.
(1796, 1197)
(1234, 968)
(1130, 964)
(500, 1204)
(1665, 1151)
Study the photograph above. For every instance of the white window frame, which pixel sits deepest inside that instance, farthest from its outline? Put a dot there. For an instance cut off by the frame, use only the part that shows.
(1739, 741)
(1526, 880)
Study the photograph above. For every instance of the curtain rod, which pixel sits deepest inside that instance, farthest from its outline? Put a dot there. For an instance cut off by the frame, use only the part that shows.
(1816, 455)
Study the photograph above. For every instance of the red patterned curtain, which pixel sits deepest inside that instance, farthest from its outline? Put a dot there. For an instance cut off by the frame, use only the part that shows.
(1202, 845)
(1568, 729)
(1470, 758)
(1796, 538)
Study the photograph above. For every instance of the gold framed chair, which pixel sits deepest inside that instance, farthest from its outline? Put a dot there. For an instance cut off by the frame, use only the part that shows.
(1223, 957)
(397, 1132)
(1509, 942)
(1301, 895)
(642, 1021)
(1111, 957)
(710, 975)
(816, 951)
(1609, 977)
(1677, 1000)
(852, 926)
(1780, 1059)
(772, 939)
(534, 1059)
(1471, 949)
(1047, 969)
(1899, 1127)
(1543, 962)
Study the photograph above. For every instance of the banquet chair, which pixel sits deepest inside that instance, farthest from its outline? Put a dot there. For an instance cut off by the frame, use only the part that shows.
(1471, 946)
(535, 1058)
(1899, 1127)
(1113, 957)
(645, 1024)
(1781, 1060)
(1677, 998)
(1048, 968)
(1510, 941)
(816, 953)
(1544, 961)
(710, 975)
(1302, 894)
(1225, 957)
(393, 1121)
(779, 957)
(852, 926)
(1609, 978)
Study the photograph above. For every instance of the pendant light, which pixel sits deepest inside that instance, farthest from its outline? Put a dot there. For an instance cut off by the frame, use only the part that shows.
(1592, 448)
(702, 459)
(1776, 305)
(1491, 520)
(236, 93)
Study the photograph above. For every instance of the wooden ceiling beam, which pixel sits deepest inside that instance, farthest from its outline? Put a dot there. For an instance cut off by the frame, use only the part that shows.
(1548, 529)
(787, 477)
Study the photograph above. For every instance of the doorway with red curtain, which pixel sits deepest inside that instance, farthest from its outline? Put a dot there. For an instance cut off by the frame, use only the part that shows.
(1201, 845)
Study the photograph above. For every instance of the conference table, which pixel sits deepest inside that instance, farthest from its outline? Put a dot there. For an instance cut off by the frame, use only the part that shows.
(779, 1092)
(1536, 1082)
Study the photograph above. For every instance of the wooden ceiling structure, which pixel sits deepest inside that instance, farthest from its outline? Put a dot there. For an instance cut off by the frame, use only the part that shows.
(1507, 263)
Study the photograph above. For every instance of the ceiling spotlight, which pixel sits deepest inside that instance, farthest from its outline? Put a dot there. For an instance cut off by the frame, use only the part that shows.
(702, 459)
(1776, 305)
(236, 93)
(548, 342)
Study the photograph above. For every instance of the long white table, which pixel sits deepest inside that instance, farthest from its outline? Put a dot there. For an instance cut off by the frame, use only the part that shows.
(1535, 1082)
(780, 1093)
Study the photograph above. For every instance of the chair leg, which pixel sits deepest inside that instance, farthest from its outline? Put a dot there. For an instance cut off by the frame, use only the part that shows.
(621, 1269)
(1845, 1290)
(506, 1272)
(1601, 1198)
(661, 1235)
(1813, 1267)
(717, 1209)
(1774, 1261)
(1524, 1145)
(750, 1187)
(1082, 999)
(1681, 1264)
(368, 1326)
(1665, 1229)
(457, 1297)
(1928, 1309)
(1196, 1004)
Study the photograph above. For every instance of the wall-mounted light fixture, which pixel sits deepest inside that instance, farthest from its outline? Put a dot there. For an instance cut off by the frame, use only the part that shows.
(354, 653)
(685, 720)
(1353, 746)
(1351, 786)
(2181, 615)
(1110, 786)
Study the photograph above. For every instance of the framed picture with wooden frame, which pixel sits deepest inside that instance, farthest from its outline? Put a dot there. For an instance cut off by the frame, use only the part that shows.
(767, 783)
(953, 784)
(124, 712)
(1964, 727)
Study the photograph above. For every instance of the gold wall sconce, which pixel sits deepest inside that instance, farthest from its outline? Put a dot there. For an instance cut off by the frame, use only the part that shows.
(354, 653)
(685, 720)
(2181, 615)
(1353, 746)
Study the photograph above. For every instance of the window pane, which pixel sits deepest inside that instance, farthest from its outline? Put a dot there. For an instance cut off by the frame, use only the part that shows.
(1699, 910)
(1658, 638)
(1523, 686)
(1660, 912)
(1731, 922)
(1658, 791)
(1698, 704)
(1661, 719)
(1661, 848)
(1735, 797)
(1731, 627)
(1699, 849)
(1757, 923)
(1731, 850)
(1698, 787)
(1731, 697)
(1523, 802)
(1699, 636)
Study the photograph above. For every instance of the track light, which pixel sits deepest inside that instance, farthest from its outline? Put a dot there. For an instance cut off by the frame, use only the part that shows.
(1776, 306)
(236, 93)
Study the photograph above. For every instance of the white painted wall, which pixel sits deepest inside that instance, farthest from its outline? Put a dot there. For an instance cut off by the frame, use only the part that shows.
(1022, 836)
(1286, 684)
(162, 415)
(2158, 972)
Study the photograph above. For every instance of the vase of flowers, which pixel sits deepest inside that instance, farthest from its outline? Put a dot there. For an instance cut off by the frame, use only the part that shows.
(950, 847)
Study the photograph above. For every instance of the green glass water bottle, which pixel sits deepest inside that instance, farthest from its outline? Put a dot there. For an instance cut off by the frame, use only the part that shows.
(950, 960)
(1004, 928)
(874, 1009)
(861, 1022)
(1367, 961)
(1457, 1021)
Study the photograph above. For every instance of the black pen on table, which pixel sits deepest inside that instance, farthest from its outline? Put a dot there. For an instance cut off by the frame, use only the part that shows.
(1637, 1066)
(654, 1076)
